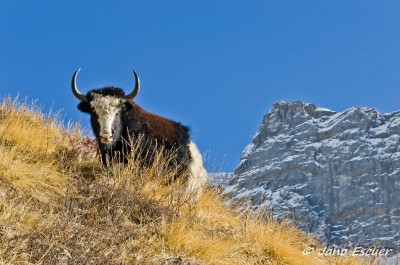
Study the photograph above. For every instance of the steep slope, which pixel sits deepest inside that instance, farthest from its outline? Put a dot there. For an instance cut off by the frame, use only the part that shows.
(58, 206)
(336, 173)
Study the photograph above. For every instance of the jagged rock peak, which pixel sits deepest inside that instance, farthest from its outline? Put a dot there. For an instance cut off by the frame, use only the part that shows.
(296, 112)
(336, 173)
(284, 111)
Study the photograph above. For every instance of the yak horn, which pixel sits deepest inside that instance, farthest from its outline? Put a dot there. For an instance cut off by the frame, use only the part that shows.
(135, 92)
(75, 90)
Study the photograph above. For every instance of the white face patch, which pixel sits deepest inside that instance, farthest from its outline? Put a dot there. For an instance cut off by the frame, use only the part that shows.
(106, 108)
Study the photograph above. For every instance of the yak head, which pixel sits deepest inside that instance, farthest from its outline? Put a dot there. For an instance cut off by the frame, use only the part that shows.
(106, 106)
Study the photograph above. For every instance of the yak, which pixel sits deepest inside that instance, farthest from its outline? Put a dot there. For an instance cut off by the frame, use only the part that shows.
(116, 119)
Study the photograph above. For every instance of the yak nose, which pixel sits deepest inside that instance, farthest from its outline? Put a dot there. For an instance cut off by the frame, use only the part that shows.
(106, 138)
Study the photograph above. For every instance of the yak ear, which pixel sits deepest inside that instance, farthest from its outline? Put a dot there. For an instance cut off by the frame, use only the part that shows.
(128, 105)
(84, 106)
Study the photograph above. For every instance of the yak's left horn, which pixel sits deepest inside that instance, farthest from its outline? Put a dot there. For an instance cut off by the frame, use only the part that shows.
(75, 90)
(135, 92)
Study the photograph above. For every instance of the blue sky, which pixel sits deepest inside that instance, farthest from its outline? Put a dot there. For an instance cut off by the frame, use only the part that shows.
(215, 65)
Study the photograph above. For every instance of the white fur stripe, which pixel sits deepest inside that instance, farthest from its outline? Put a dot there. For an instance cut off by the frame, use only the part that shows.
(198, 176)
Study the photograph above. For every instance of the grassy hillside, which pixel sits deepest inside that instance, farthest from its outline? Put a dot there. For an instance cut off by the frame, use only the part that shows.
(58, 206)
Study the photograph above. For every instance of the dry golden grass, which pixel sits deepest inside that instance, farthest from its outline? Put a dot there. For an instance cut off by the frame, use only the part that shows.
(59, 206)
(29, 146)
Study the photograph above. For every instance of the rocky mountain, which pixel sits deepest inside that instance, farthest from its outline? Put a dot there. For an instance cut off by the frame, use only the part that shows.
(337, 174)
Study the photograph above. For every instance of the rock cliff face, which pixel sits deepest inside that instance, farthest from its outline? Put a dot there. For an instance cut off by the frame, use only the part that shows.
(336, 173)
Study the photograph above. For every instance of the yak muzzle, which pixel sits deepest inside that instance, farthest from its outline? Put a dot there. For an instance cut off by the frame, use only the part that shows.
(105, 138)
